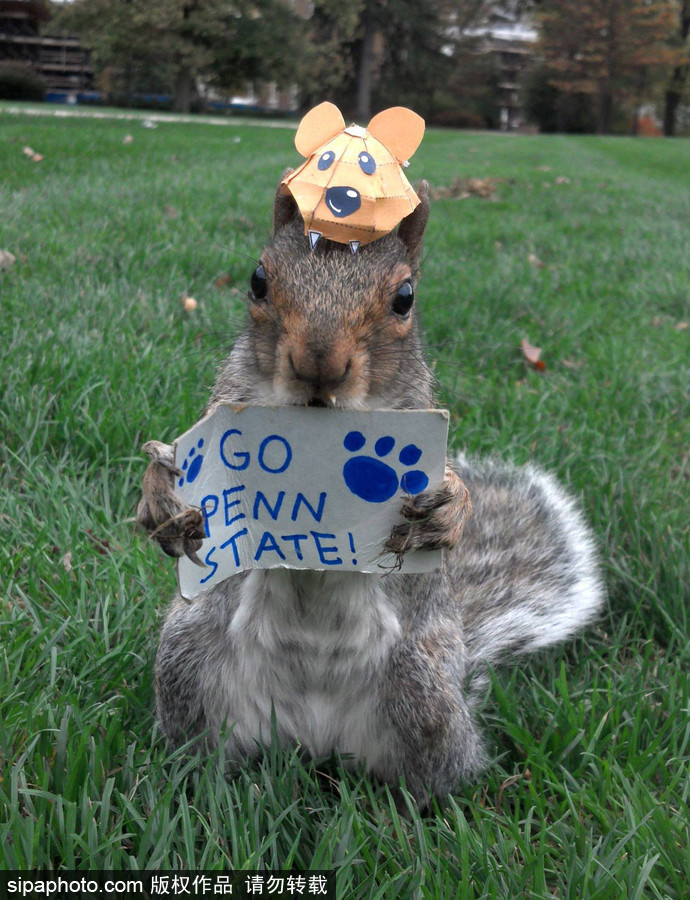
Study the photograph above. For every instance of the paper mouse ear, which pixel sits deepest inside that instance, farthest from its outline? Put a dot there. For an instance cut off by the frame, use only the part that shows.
(318, 126)
(399, 129)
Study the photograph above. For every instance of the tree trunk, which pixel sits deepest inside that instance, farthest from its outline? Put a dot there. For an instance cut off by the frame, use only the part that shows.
(605, 110)
(639, 94)
(674, 91)
(671, 104)
(183, 89)
(365, 69)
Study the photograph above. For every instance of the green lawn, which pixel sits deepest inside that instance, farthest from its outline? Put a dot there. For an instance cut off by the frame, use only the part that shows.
(585, 252)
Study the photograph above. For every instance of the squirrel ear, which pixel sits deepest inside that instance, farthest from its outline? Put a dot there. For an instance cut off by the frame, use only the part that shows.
(399, 129)
(284, 206)
(318, 126)
(411, 229)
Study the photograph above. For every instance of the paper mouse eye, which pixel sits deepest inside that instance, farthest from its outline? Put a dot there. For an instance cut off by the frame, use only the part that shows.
(326, 160)
(403, 300)
(258, 286)
(367, 163)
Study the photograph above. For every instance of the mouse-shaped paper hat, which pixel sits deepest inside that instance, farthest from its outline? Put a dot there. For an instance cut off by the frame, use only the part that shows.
(352, 188)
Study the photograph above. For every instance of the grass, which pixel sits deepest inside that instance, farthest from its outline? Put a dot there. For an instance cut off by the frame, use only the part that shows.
(587, 794)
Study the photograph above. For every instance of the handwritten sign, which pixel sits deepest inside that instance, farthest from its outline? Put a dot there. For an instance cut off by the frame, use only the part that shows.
(305, 488)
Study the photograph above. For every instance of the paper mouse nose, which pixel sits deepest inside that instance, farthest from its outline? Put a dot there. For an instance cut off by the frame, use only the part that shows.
(343, 201)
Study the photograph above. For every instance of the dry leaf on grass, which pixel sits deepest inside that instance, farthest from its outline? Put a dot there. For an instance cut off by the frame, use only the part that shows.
(102, 545)
(461, 188)
(532, 355)
(7, 259)
(535, 261)
(665, 321)
(31, 153)
(128, 139)
(509, 782)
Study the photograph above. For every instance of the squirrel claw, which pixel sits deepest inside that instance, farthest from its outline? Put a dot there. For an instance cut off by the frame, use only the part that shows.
(177, 527)
(435, 518)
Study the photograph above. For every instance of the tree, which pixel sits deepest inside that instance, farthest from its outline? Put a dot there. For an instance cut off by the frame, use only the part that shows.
(679, 73)
(409, 44)
(604, 47)
(229, 41)
(326, 55)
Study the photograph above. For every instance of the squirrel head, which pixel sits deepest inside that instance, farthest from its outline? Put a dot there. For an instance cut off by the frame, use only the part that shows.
(329, 328)
(352, 189)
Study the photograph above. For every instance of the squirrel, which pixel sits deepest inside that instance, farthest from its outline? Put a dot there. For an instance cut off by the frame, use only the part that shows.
(387, 669)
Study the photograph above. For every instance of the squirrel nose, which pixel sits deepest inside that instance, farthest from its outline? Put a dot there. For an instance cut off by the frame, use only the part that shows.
(318, 370)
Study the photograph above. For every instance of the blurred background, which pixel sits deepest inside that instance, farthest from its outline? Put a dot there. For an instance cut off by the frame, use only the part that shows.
(578, 66)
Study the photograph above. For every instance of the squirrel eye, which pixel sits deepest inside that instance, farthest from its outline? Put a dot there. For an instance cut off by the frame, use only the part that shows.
(258, 284)
(404, 298)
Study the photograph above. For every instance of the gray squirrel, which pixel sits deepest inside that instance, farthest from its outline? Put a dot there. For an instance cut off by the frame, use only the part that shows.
(387, 669)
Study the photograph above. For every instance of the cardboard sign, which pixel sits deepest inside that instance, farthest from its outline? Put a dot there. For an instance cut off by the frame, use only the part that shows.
(305, 488)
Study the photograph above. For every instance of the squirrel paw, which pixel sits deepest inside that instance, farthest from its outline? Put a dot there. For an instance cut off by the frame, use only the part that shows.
(435, 518)
(177, 527)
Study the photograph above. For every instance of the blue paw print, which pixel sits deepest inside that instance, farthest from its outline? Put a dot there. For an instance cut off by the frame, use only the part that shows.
(374, 480)
(192, 464)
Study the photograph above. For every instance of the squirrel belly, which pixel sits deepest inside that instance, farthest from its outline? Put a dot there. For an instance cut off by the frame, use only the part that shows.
(305, 645)
(387, 668)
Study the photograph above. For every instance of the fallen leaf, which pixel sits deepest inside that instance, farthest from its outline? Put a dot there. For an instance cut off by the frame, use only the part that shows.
(535, 261)
(189, 303)
(223, 281)
(461, 188)
(101, 544)
(31, 153)
(681, 326)
(572, 363)
(562, 179)
(128, 139)
(532, 355)
(7, 259)
(509, 782)
(66, 561)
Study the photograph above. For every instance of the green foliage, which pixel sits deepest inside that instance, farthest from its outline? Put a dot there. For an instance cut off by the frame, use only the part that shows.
(147, 46)
(18, 81)
(588, 783)
(606, 48)
(553, 110)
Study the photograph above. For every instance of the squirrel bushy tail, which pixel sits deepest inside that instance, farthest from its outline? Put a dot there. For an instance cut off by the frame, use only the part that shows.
(525, 573)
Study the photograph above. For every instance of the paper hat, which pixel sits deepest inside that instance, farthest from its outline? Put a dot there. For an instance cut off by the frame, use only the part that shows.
(352, 188)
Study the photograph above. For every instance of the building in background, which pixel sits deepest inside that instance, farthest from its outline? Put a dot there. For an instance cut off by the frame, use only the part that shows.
(511, 40)
(60, 60)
